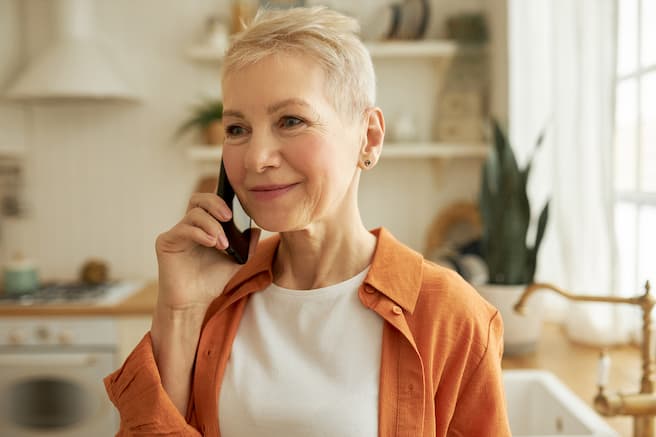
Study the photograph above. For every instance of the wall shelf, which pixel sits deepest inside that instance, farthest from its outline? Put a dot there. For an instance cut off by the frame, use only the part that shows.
(390, 151)
(205, 53)
(434, 150)
(412, 49)
(11, 153)
(430, 48)
(204, 152)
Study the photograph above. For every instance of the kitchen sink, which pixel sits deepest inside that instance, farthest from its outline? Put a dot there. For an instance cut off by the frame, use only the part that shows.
(540, 405)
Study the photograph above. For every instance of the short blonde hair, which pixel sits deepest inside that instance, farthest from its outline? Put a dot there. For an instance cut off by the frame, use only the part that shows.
(324, 35)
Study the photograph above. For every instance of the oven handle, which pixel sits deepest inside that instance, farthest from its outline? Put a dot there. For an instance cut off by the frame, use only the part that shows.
(50, 360)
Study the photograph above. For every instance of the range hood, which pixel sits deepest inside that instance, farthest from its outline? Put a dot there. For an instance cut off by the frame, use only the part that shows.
(75, 65)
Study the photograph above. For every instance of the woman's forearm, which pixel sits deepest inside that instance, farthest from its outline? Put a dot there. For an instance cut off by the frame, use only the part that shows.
(175, 335)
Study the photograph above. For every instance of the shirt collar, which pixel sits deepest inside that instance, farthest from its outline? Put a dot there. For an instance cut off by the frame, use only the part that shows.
(396, 270)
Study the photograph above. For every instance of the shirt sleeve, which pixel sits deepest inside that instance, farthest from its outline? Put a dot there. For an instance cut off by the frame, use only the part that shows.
(137, 392)
(481, 406)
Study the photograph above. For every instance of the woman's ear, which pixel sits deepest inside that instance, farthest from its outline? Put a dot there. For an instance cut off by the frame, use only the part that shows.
(372, 142)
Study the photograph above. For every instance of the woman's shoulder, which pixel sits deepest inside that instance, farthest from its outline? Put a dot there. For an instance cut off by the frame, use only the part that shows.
(440, 295)
(448, 292)
(452, 307)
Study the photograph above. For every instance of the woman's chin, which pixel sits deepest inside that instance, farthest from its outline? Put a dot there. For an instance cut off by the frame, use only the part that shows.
(271, 224)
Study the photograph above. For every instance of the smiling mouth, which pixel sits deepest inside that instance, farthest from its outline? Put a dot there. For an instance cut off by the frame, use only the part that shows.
(268, 192)
(265, 188)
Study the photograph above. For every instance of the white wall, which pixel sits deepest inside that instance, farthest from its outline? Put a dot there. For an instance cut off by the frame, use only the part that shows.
(104, 179)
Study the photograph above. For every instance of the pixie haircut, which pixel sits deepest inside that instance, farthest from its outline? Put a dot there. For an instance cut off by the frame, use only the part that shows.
(325, 36)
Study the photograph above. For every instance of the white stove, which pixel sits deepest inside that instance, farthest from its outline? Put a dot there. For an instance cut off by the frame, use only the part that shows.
(51, 371)
(51, 368)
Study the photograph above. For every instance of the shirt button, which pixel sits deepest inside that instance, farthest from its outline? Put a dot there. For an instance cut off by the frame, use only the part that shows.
(369, 289)
(397, 310)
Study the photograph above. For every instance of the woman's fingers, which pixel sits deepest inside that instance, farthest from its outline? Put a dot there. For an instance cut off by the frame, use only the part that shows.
(201, 225)
(211, 203)
(199, 236)
(203, 220)
(183, 236)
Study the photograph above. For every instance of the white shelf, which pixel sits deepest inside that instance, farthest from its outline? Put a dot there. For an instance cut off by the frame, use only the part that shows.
(204, 152)
(434, 48)
(434, 150)
(390, 150)
(204, 53)
(11, 153)
(430, 48)
(412, 49)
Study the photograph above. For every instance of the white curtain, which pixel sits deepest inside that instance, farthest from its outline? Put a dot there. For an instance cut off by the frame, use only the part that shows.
(562, 78)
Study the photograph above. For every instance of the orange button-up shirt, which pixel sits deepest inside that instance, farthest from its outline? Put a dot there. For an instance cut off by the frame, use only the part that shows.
(440, 370)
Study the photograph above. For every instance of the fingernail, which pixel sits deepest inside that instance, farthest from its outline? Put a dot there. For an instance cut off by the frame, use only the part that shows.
(223, 240)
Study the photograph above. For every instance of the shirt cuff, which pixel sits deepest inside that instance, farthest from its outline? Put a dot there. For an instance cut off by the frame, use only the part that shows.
(137, 392)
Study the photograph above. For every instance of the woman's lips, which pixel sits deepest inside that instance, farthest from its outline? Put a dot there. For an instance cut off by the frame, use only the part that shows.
(269, 192)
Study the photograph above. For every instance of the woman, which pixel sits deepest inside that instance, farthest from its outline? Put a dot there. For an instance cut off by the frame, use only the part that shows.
(328, 329)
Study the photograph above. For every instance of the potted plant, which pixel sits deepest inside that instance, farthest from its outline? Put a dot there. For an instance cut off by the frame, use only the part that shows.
(207, 118)
(509, 256)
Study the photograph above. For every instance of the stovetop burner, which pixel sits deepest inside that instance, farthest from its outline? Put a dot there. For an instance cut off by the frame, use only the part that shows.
(71, 292)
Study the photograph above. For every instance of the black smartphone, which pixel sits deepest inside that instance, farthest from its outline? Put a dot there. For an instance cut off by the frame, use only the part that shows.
(238, 229)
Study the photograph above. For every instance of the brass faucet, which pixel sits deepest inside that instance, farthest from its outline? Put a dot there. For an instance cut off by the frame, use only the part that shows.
(642, 406)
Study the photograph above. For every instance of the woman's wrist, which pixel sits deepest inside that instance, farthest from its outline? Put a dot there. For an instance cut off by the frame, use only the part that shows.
(176, 327)
(175, 335)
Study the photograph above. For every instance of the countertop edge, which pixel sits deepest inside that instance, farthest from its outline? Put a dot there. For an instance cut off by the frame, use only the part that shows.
(141, 303)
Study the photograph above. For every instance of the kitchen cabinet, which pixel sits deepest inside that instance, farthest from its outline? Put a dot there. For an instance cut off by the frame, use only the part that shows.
(129, 318)
(131, 330)
(438, 88)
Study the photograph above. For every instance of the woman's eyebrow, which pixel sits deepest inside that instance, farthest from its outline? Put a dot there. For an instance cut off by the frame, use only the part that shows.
(232, 113)
(272, 108)
(287, 102)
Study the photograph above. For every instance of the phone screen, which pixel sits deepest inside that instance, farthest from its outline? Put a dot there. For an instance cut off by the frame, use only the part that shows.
(238, 229)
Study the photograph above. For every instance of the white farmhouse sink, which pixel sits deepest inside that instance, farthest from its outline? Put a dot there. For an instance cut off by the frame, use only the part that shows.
(540, 405)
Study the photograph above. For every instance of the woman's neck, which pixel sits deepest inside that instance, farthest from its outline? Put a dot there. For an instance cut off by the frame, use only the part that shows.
(322, 256)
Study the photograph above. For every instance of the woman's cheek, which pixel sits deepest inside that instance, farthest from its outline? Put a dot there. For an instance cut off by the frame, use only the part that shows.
(308, 152)
(233, 162)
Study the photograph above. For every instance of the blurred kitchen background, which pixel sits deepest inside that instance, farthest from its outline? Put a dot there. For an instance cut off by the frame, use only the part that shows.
(102, 177)
(94, 165)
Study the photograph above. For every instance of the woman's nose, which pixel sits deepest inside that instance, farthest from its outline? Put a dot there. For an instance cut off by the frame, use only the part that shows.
(263, 152)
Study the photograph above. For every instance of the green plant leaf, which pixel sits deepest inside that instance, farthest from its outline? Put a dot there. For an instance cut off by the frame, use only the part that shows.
(202, 115)
(541, 227)
(538, 143)
(505, 211)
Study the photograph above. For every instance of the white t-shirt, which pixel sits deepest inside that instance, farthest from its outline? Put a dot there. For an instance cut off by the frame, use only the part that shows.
(304, 363)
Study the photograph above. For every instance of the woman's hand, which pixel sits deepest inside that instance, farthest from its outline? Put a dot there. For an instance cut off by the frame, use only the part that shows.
(193, 269)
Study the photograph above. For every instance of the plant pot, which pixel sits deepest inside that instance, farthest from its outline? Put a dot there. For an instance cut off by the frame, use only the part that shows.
(214, 134)
(520, 331)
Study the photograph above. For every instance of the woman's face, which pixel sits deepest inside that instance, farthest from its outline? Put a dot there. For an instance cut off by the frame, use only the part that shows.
(291, 158)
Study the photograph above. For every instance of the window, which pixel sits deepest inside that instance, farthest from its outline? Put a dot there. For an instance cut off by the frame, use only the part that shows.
(635, 144)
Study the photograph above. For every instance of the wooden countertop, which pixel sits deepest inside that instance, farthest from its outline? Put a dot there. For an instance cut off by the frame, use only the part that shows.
(140, 303)
(576, 366)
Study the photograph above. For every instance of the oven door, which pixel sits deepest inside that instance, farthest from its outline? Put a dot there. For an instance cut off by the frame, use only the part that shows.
(55, 394)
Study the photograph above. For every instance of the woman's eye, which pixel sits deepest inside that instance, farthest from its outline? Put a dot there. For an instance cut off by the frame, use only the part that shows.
(234, 130)
(290, 122)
